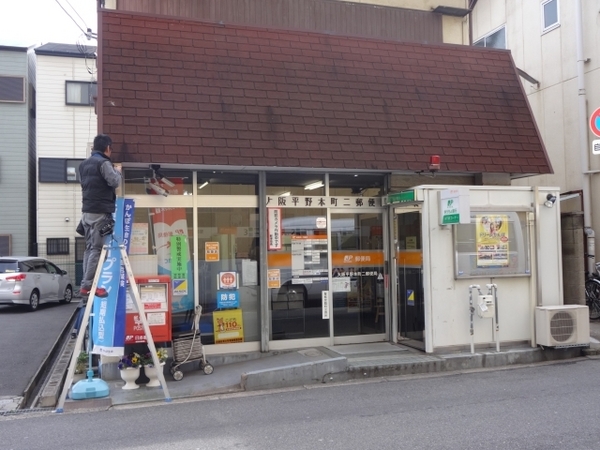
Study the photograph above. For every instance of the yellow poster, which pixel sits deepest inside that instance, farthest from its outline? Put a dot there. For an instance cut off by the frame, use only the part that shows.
(492, 240)
(228, 326)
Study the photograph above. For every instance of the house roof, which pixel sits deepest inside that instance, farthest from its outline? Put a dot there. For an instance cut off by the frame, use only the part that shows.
(179, 91)
(68, 50)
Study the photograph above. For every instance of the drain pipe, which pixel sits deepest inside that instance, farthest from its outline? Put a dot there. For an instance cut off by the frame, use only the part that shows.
(583, 140)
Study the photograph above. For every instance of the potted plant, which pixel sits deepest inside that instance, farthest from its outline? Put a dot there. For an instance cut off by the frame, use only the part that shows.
(129, 368)
(149, 369)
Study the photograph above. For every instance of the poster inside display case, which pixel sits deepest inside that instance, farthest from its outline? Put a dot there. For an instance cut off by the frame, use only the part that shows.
(494, 244)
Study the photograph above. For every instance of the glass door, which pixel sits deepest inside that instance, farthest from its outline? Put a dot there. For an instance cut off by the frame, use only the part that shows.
(409, 276)
(357, 274)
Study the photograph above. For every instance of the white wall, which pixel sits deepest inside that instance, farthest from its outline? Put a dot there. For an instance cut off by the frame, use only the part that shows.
(447, 316)
(63, 131)
(551, 59)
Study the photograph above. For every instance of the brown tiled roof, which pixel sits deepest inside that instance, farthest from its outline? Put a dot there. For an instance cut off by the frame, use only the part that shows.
(178, 91)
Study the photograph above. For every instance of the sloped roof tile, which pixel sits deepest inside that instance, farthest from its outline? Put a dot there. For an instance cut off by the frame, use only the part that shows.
(210, 93)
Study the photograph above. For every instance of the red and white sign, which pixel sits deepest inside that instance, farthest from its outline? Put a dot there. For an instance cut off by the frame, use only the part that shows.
(595, 122)
(155, 294)
(227, 280)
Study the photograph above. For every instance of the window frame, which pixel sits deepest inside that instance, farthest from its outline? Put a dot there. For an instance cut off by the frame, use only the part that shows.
(23, 93)
(92, 94)
(485, 37)
(66, 164)
(554, 25)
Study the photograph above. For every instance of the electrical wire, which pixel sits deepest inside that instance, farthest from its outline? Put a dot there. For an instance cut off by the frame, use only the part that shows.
(87, 28)
(71, 17)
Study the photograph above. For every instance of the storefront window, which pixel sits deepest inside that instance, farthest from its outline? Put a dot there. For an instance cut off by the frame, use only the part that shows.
(229, 275)
(357, 283)
(157, 181)
(299, 270)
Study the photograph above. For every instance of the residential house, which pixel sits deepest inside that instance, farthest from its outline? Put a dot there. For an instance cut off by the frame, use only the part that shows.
(66, 126)
(17, 151)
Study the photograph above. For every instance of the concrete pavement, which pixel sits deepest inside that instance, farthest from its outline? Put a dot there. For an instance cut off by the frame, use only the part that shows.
(308, 366)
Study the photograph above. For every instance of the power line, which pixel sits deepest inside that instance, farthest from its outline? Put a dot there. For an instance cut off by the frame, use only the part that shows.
(71, 17)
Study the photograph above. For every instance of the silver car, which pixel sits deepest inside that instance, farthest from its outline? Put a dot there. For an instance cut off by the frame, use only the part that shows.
(31, 281)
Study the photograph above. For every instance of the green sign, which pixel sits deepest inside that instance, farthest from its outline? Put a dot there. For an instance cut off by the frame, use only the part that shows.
(401, 197)
(179, 258)
(450, 213)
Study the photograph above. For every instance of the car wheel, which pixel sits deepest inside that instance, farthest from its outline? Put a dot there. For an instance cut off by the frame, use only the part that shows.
(34, 300)
(68, 295)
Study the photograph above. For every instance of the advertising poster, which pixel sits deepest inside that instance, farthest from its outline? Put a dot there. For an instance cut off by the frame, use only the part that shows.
(139, 239)
(108, 324)
(492, 240)
(228, 326)
(168, 222)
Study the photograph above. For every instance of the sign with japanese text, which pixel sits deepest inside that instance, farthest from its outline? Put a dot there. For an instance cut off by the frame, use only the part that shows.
(228, 280)
(179, 266)
(319, 201)
(228, 326)
(454, 206)
(273, 279)
(211, 251)
(228, 299)
(274, 225)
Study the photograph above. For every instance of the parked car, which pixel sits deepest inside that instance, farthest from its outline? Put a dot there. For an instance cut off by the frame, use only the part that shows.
(31, 281)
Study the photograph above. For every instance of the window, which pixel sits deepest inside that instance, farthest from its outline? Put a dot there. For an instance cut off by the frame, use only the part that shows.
(12, 89)
(549, 15)
(57, 246)
(496, 39)
(57, 170)
(81, 93)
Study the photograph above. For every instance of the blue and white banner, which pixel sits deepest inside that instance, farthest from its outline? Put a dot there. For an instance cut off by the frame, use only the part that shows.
(108, 325)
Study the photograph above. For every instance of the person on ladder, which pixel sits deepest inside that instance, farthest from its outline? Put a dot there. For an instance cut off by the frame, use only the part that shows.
(99, 180)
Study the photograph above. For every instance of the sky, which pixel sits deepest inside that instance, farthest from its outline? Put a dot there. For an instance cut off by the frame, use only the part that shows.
(26, 23)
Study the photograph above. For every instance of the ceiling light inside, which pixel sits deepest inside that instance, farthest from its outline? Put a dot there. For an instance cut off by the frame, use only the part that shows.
(314, 185)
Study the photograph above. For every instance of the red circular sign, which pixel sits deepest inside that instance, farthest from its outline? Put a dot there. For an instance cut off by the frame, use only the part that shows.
(595, 122)
(227, 279)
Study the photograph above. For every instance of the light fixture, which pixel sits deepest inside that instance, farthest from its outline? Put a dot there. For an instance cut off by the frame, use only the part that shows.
(203, 185)
(315, 185)
(285, 194)
(550, 199)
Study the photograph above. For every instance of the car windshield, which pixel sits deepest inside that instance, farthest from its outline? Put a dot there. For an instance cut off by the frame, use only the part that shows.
(9, 266)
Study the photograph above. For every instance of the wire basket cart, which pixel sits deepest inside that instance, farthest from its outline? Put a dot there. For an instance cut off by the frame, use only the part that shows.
(188, 348)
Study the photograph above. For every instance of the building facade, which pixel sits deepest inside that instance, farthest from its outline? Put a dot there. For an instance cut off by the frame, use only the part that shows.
(555, 43)
(269, 154)
(66, 126)
(17, 151)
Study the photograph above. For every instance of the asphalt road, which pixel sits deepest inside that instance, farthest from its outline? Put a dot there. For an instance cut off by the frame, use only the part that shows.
(26, 339)
(545, 406)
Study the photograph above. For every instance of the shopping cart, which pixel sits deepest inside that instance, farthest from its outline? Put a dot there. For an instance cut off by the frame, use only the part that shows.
(188, 348)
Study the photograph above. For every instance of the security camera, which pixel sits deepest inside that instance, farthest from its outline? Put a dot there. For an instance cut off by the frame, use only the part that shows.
(168, 182)
(156, 188)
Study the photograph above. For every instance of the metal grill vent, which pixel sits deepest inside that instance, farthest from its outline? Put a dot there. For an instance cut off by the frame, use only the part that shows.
(562, 326)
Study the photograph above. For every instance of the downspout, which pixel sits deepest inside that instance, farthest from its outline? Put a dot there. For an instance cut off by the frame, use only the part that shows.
(583, 141)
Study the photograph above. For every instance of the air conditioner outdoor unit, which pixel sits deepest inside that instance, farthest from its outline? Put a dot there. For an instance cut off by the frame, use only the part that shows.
(562, 326)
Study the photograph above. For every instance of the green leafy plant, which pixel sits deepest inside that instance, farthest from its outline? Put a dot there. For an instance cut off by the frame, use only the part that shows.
(132, 360)
(82, 362)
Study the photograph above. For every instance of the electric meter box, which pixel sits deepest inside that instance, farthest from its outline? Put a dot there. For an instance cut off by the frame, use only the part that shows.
(485, 306)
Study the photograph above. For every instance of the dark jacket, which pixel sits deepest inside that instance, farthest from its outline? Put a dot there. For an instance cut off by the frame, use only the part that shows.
(98, 196)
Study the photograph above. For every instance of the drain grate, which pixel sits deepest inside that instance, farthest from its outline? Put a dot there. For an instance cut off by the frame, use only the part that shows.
(18, 412)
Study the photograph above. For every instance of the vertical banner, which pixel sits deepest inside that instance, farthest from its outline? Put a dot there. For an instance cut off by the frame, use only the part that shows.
(274, 228)
(108, 324)
(179, 266)
(168, 222)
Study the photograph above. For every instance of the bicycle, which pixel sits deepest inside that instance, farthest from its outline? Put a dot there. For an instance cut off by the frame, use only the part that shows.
(592, 293)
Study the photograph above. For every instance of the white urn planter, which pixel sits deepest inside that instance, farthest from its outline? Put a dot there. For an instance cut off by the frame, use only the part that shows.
(129, 375)
(152, 374)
